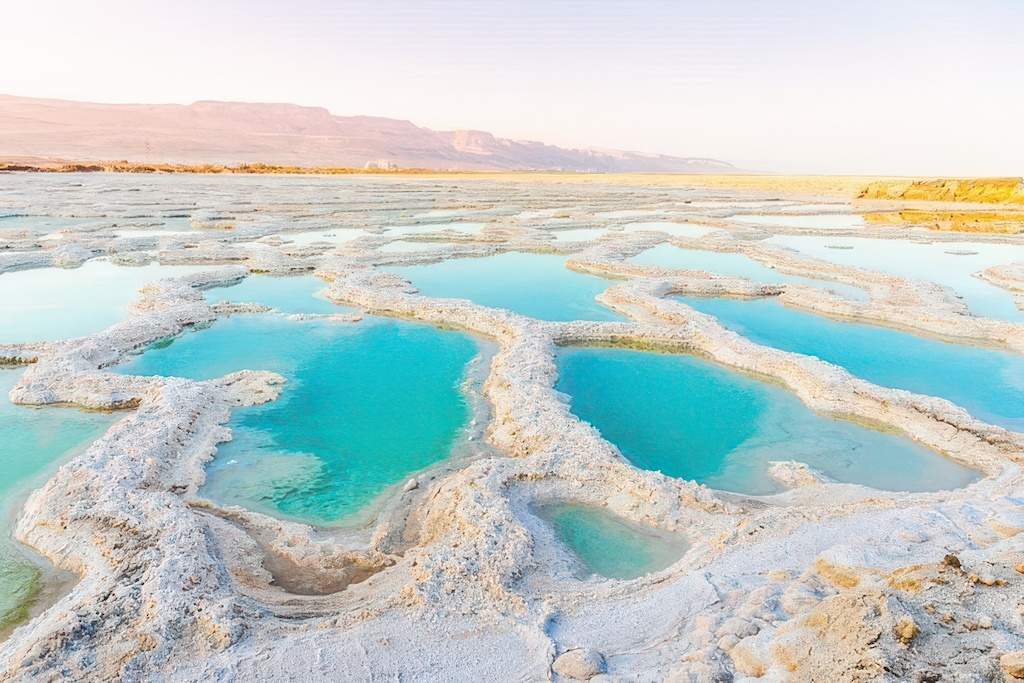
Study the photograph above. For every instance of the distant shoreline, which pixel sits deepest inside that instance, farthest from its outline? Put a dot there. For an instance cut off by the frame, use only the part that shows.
(907, 191)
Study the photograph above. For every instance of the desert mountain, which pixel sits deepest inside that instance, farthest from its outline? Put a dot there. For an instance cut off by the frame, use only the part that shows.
(287, 134)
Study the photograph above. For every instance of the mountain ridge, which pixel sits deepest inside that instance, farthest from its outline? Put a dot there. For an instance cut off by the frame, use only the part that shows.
(225, 132)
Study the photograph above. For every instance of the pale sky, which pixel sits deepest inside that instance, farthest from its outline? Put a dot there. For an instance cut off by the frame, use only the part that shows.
(915, 87)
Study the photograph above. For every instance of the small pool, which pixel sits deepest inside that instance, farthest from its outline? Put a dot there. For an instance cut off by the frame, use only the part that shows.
(32, 442)
(535, 285)
(693, 419)
(366, 406)
(989, 383)
(928, 261)
(285, 293)
(58, 303)
(736, 265)
(608, 545)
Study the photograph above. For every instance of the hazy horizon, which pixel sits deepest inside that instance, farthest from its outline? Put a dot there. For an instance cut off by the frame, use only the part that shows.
(919, 88)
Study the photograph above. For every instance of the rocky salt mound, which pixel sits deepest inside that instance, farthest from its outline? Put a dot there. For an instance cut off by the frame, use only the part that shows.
(453, 580)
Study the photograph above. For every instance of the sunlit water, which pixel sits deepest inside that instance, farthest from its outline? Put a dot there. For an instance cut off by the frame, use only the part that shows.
(536, 285)
(736, 265)
(923, 261)
(56, 303)
(366, 405)
(292, 294)
(608, 545)
(32, 441)
(692, 419)
(989, 383)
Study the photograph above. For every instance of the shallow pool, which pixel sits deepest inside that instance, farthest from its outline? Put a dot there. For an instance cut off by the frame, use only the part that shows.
(693, 419)
(536, 285)
(57, 303)
(923, 261)
(287, 294)
(736, 265)
(32, 442)
(989, 383)
(608, 545)
(366, 405)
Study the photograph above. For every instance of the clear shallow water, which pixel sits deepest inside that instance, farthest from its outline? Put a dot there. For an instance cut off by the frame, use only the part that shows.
(57, 303)
(923, 261)
(988, 383)
(681, 229)
(32, 441)
(366, 405)
(822, 221)
(692, 419)
(287, 294)
(536, 285)
(736, 265)
(609, 545)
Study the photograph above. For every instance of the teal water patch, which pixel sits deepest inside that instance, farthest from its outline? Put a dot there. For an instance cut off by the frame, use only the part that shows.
(951, 264)
(735, 265)
(988, 383)
(287, 294)
(609, 545)
(365, 406)
(57, 303)
(32, 441)
(535, 285)
(692, 419)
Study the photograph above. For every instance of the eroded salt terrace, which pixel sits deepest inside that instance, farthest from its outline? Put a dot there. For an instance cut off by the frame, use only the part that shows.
(259, 426)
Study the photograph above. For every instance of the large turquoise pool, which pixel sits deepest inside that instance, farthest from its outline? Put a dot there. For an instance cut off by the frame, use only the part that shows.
(366, 405)
(735, 265)
(536, 285)
(989, 383)
(692, 419)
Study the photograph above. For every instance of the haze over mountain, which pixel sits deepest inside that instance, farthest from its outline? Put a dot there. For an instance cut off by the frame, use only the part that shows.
(287, 134)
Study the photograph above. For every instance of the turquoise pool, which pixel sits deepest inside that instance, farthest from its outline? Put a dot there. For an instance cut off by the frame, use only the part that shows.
(692, 419)
(366, 405)
(535, 285)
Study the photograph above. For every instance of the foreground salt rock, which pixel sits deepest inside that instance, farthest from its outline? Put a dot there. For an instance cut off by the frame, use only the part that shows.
(455, 578)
